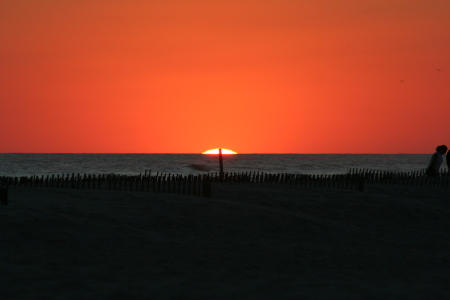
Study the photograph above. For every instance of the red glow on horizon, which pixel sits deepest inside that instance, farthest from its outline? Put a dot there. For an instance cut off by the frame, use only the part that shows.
(259, 76)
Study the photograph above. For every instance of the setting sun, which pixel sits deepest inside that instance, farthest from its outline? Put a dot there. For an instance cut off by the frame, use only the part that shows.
(216, 151)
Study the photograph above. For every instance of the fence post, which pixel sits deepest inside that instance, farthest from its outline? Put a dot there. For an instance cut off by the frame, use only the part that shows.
(4, 196)
(360, 184)
(221, 165)
(206, 188)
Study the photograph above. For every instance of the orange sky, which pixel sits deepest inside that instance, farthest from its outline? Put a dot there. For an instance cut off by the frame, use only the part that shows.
(259, 76)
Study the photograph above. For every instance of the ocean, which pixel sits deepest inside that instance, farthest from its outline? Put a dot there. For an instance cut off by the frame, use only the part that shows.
(20, 164)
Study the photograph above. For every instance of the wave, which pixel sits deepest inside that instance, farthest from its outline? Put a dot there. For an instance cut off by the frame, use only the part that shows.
(19, 164)
(203, 168)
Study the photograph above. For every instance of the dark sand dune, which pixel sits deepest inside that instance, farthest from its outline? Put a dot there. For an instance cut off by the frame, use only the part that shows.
(246, 241)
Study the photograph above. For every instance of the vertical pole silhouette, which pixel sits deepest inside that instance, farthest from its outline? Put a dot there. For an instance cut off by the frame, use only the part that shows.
(4, 196)
(221, 164)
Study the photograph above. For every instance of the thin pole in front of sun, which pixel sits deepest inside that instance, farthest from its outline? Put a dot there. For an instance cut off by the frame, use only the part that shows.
(221, 164)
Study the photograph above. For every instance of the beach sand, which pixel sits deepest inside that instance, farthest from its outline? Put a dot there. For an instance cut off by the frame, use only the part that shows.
(248, 241)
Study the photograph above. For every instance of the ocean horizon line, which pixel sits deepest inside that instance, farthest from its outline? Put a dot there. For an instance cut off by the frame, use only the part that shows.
(184, 153)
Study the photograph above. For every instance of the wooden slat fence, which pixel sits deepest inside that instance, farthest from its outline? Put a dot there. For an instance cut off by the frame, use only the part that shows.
(196, 185)
(200, 185)
(416, 178)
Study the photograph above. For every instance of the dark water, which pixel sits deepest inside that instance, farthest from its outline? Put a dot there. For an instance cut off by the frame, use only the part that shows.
(43, 164)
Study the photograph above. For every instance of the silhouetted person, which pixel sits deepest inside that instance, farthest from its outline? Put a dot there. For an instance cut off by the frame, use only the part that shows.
(448, 160)
(436, 161)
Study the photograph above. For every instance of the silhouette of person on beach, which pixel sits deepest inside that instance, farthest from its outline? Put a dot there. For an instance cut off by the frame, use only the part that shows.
(448, 160)
(436, 161)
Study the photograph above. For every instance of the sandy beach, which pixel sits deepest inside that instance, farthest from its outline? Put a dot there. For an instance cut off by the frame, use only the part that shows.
(248, 241)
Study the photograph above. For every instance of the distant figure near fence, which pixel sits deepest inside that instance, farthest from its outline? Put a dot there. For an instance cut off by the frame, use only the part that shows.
(448, 161)
(436, 161)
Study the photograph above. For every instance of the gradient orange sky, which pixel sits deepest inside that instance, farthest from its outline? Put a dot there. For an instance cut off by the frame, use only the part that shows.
(254, 76)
